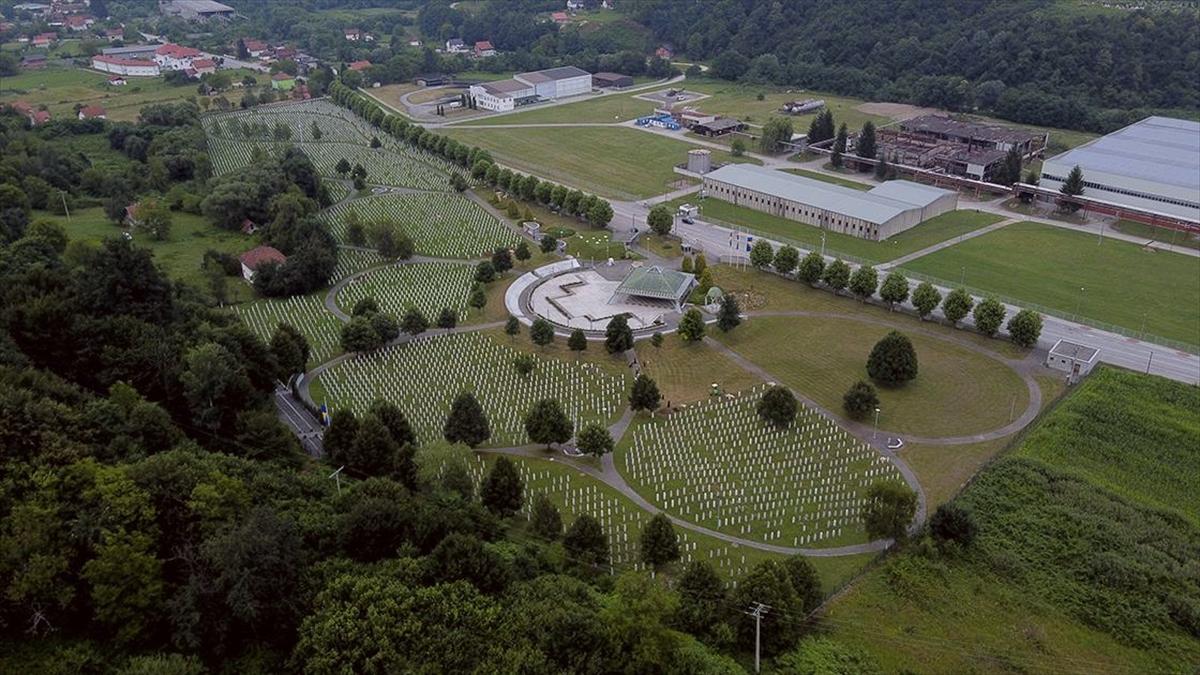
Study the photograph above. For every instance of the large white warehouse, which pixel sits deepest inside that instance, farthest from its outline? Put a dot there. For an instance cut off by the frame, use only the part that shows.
(875, 214)
(1152, 165)
(549, 84)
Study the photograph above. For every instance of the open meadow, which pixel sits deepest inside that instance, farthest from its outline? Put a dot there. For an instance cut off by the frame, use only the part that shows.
(1075, 274)
(612, 162)
(1080, 564)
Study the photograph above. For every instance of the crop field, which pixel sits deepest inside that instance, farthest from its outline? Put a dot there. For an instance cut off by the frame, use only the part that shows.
(928, 233)
(1079, 553)
(717, 464)
(425, 375)
(444, 225)
(614, 162)
(982, 392)
(1074, 274)
(429, 287)
(306, 313)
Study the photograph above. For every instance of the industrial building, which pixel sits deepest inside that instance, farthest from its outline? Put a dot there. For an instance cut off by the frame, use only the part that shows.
(1152, 165)
(957, 147)
(875, 214)
(550, 84)
(196, 10)
(611, 81)
(125, 66)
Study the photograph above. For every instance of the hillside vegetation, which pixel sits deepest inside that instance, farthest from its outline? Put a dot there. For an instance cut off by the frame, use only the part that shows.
(1086, 552)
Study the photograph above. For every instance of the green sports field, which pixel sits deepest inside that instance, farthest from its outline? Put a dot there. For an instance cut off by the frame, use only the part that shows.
(932, 231)
(613, 162)
(1123, 283)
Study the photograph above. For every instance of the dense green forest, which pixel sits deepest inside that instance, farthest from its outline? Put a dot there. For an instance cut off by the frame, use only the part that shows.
(1046, 62)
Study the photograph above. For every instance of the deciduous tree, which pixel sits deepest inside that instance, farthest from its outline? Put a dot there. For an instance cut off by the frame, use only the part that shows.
(836, 275)
(618, 336)
(729, 316)
(778, 406)
(860, 400)
(659, 544)
(890, 507)
(893, 360)
(502, 490)
(691, 326)
(644, 395)
(957, 305)
(989, 315)
(547, 423)
(863, 282)
(1025, 327)
(926, 299)
(594, 439)
(467, 422)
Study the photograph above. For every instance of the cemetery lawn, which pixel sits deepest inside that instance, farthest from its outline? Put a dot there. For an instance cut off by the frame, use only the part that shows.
(801, 235)
(1124, 283)
(685, 372)
(957, 391)
(180, 255)
(716, 463)
(1102, 488)
(613, 162)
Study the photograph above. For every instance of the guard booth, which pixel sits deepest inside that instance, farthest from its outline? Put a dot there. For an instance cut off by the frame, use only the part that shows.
(1074, 359)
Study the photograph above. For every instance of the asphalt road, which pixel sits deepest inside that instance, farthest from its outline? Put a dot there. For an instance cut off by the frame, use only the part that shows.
(307, 429)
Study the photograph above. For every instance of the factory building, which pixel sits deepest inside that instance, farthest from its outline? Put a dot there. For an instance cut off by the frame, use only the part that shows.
(539, 85)
(875, 214)
(1152, 165)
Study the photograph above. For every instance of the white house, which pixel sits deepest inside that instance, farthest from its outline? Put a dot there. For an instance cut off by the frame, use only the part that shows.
(125, 67)
(175, 57)
(456, 46)
(255, 257)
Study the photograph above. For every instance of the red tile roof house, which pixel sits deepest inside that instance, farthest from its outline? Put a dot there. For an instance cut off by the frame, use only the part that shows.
(560, 17)
(204, 66)
(254, 258)
(88, 112)
(41, 117)
(44, 39)
(359, 65)
(484, 48)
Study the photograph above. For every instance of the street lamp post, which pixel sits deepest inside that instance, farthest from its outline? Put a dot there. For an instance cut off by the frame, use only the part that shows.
(1078, 302)
(875, 430)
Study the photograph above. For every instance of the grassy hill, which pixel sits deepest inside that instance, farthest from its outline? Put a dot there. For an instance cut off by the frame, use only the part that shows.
(1085, 559)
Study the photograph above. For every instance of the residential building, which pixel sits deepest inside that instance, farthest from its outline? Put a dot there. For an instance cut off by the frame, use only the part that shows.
(359, 66)
(256, 257)
(117, 81)
(196, 10)
(204, 66)
(33, 61)
(44, 39)
(456, 46)
(175, 57)
(114, 34)
(1152, 165)
(125, 67)
(78, 22)
(664, 52)
(255, 48)
(560, 17)
(875, 214)
(89, 112)
(484, 49)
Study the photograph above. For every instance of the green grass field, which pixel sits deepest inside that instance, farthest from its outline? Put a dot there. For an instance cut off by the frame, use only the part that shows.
(620, 163)
(60, 89)
(1123, 283)
(180, 255)
(1079, 566)
(932, 231)
(685, 372)
(832, 355)
(1159, 234)
(724, 98)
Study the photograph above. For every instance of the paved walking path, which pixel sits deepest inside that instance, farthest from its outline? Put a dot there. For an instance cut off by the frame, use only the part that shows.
(945, 244)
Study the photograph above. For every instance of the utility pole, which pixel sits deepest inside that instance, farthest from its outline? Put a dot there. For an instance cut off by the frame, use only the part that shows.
(1148, 362)
(336, 475)
(758, 612)
(875, 431)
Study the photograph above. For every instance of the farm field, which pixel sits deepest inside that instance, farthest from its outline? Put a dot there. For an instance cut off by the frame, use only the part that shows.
(613, 162)
(932, 231)
(832, 355)
(180, 255)
(1123, 283)
(1048, 582)
(685, 372)
(441, 224)
(429, 287)
(717, 464)
(424, 376)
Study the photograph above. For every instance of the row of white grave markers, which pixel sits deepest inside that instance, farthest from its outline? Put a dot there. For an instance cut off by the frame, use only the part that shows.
(440, 224)
(354, 260)
(430, 287)
(306, 313)
(718, 464)
(424, 376)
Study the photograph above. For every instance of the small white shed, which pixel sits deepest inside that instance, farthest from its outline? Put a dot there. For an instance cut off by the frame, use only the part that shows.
(1073, 358)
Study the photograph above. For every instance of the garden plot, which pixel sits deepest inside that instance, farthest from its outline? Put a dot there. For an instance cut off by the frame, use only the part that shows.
(424, 375)
(443, 225)
(306, 313)
(717, 464)
(429, 287)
